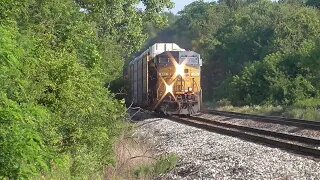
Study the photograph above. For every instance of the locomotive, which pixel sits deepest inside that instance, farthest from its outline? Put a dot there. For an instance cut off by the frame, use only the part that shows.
(166, 78)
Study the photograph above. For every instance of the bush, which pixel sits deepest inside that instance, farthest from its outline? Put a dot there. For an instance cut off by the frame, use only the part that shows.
(258, 110)
(56, 117)
(308, 103)
(280, 79)
(55, 113)
(162, 166)
(27, 140)
(303, 113)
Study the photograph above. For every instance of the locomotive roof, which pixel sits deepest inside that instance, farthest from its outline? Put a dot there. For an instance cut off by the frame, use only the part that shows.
(157, 49)
(177, 53)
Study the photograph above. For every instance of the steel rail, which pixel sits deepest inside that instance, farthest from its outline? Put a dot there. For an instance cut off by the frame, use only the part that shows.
(292, 137)
(304, 145)
(270, 119)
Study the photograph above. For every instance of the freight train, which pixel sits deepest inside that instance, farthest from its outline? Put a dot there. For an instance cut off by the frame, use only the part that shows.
(166, 78)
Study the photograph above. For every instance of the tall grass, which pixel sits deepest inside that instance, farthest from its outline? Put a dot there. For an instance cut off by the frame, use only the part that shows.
(308, 109)
(135, 159)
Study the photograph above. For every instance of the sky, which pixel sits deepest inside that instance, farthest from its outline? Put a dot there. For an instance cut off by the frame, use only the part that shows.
(179, 5)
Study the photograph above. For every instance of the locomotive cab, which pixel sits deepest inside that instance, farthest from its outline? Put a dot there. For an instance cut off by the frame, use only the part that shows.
(166, 78)
(178, 82)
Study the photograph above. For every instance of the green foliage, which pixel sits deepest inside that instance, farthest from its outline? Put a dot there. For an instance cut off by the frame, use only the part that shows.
(279, 78)
(120, 20)
(314, 3)
(162, 166)
(254, 51)
(267, 110)
(292, 1)
(165, 164)
(27, 137)
(56, 116)
(143, 172)
(303, 110)
(308, 103)
(153, 31)
(283, 80)
(303, 113)
(26, 140)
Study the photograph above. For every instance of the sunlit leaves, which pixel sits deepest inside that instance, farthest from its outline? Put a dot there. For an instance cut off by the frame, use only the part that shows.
(55, 59)
(121, 21)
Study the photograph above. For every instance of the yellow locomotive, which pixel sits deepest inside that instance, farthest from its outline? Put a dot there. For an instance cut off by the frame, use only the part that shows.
(166, 78)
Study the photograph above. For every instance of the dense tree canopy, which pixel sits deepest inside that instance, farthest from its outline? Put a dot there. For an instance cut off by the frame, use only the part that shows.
(254, 51)
(56, 116)
(313, 3)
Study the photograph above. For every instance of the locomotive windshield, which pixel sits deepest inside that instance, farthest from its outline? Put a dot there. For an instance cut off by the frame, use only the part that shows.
(163, 60)
(189, 60)
(185, 57)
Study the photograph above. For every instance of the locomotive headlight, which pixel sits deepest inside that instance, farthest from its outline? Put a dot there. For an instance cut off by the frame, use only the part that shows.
(180, 69)
(190, 89)
(169, 88)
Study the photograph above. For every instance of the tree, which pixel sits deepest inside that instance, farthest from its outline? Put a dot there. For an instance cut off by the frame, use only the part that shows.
(233, 4)
(292, 1)
(122, 22)
(234, 37)
(55, 58)
(280, 79)
(313, 3)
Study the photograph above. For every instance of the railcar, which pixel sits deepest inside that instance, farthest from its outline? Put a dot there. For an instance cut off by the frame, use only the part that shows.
(166, 78)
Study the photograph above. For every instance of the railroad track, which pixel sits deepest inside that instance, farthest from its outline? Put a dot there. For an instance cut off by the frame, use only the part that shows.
(270, 119)
(297, 144)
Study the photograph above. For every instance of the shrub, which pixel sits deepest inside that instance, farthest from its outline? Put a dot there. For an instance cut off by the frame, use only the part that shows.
(303, 113)
(308, 103)
(27, 140)
(280, 79)
(55, 113)
(162, 165)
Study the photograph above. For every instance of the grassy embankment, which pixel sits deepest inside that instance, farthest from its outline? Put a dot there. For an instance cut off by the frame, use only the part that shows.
(135, 159)
(307, 109)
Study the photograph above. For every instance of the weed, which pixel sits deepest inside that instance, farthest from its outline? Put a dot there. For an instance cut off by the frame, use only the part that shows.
(163, 165)
(300, 113)
(135, 159)
(303, 110)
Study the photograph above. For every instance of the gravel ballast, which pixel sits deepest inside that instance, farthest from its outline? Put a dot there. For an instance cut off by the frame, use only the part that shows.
(315, 134)
(208, 155)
